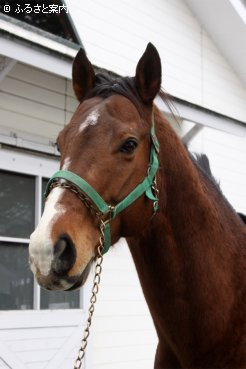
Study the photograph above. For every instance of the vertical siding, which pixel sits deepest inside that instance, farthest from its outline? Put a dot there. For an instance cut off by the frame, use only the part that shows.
(116, 33)
(222, 89)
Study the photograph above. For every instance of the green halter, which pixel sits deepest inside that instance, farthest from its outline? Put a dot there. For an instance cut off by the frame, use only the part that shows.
(105, 210)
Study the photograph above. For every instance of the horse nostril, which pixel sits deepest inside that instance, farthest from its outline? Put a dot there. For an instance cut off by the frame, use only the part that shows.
(64, 255)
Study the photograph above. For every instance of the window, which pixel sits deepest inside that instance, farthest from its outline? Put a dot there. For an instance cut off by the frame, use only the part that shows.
(16, 280)
(22, 202)
(16, 221)
(17, 208)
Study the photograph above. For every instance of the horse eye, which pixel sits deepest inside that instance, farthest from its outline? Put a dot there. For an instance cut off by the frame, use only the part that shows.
(129, 146)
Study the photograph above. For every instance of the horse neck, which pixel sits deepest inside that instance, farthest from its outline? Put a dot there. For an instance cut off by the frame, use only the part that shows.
(184, 257)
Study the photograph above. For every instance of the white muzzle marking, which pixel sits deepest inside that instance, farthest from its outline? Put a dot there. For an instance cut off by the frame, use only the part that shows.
(41, 248)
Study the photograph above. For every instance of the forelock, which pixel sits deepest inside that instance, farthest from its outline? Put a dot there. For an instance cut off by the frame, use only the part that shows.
(106, 85)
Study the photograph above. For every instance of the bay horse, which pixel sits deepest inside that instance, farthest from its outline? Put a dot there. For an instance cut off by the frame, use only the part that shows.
(121, 157)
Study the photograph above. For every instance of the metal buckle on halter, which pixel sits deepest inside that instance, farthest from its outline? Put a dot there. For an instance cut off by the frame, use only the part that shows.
(155, 188)
(156, 195)
(107, 217)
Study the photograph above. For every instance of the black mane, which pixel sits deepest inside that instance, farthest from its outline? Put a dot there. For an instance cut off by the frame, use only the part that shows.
(107, 84)
(202, 161)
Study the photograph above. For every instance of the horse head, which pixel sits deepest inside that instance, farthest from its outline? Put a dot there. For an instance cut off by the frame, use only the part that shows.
(107, 145)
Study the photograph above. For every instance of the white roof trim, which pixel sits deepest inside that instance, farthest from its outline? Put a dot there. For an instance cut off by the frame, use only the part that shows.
(240, 8)
(35, 57)
(225, 21)
(204, 118)
(27, 141)
(37, 39)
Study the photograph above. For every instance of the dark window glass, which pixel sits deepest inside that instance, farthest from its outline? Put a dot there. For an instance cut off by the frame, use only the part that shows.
(49, 15)
(16, 279)
(57, 299)
(17, 210)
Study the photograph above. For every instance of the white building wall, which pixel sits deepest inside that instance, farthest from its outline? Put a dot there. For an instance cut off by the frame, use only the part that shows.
(115, 34)
(227, 156)
(34, 102)
(123, 331)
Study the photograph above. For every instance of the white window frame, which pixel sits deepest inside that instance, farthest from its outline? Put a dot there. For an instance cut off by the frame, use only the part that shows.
(38, 167)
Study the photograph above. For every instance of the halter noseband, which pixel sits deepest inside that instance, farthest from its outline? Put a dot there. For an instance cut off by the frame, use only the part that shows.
(94, 201)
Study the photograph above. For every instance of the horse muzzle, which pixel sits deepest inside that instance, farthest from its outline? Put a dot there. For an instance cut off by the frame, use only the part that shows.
(51, 268)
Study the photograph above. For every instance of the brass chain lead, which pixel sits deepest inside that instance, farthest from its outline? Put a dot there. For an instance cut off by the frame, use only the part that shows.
(93, 299)
(85, 199)
(98, 268)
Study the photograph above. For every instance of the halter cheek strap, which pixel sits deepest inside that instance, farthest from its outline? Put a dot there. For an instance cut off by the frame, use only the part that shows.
(106, 211)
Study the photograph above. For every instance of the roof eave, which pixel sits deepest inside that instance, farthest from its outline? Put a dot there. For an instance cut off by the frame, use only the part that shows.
(36, 47)
(225, 22)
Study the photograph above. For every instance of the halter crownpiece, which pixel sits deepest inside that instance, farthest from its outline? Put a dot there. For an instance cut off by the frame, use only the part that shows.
(91, 198)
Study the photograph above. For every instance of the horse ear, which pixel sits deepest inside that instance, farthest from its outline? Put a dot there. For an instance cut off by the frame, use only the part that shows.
(83, 75)
(148, 74)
